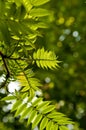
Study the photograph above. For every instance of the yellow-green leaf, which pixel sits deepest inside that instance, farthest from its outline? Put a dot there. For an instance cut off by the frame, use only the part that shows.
(16, 105)
(26, 88)
(20, 109)
(31, 117)
(43, 123)
(37, 101)
(49, 125)
(39, 12)
(8, 98)
(26, 112)
(39, 2)
(43, 104)
(37, 120)
(48, 109)
(63, 128)
(54, 127)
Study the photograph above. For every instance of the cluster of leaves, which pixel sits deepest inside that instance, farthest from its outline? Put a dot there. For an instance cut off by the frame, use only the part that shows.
(19, 27)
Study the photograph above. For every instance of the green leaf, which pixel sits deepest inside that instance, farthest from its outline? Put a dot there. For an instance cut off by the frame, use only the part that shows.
(5, 32)
(42, 25)
(20, 109)
(39, 12)
(43, 123)
(34, 83)
(32, 116)
(26, 112)
(24, 95)
(18, 2)
(45, 59)
(43, 104)
(56, 115)
(39, 2)
(8, 98)
(48, 109)
(26, 88)
(16, 105)
(63, 128)
(55, 127)
(37, 120)
(27, 4)
(52, 125)
(32, 94)
(36, 102)
(49, 125)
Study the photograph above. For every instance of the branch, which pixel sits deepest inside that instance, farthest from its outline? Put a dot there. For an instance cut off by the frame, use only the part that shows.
(6, 67)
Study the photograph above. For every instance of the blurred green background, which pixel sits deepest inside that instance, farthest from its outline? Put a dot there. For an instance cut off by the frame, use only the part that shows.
(66, 86)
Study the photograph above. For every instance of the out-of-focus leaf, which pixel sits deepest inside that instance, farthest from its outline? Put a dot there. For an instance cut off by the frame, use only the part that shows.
(39, 2)
(8, 98)
(39, 12)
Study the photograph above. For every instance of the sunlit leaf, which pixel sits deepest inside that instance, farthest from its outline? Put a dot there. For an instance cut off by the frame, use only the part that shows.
(48, 109)
(49, 125)
(37, 102)
(25, 88)
(16, 105)
(45, 59)
(37, 120)
(39, 2)
(26, 112)
(43, 104)
(20, 109)
(55, 127)
(39, 12)
(31, 117)
(63, 128)
(43, 123)
(8, 98)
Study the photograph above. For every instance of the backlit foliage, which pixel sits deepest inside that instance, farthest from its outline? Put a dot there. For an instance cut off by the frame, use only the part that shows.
(19, 28)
